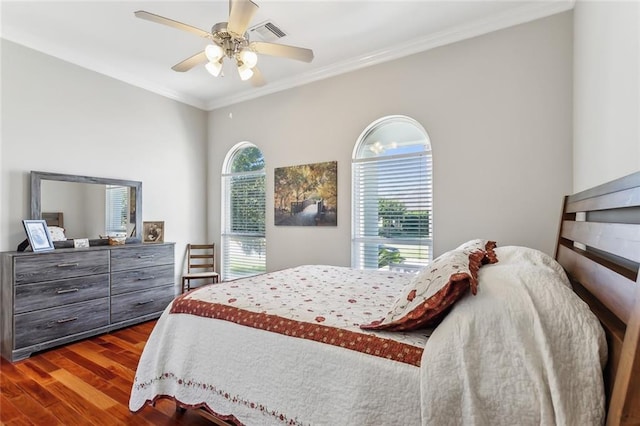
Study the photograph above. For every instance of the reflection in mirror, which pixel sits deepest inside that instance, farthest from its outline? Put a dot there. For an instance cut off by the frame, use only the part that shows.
(90, 210)
(90, 207)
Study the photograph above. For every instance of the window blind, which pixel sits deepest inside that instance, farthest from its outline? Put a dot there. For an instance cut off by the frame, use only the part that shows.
(243, 238)
(392, 205)
(117, 209)
(244, 255)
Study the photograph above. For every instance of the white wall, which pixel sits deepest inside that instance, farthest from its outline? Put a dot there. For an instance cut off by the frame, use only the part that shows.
(606, 91)
(498, 110)
(58, 117)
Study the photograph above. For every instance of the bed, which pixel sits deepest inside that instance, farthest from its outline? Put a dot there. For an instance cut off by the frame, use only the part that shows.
(54, 218)
(55, 224)
(525, 349)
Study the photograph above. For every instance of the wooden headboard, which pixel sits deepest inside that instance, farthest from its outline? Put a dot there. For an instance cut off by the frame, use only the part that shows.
(54, 219)
(599, 246)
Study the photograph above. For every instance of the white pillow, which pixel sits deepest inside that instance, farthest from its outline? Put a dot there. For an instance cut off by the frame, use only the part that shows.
(518, 256)
(57, 233)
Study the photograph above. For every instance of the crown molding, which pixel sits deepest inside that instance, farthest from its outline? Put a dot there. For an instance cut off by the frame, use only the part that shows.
(526, 13)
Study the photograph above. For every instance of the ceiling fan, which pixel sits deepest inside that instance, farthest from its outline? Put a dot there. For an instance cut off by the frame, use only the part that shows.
(230, 39)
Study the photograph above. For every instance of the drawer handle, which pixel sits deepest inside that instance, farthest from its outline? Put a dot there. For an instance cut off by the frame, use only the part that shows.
(68, 265)
(148, 256)
(62, 321)
(69, 290)
(144, 303)
(146, 278)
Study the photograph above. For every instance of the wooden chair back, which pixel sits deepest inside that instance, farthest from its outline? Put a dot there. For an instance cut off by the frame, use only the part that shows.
(201, 265)
(201, 258)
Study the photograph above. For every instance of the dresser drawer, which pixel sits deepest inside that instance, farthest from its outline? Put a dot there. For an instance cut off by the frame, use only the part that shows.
(48, 324)
(53, 266)
(141, 279)
(49, 294)
(138, 303)
(141, 256)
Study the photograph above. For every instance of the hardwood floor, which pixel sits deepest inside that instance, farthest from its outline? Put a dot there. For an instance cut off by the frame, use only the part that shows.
(84, 383)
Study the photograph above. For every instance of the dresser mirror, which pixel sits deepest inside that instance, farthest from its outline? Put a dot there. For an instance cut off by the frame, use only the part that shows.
(87, 207)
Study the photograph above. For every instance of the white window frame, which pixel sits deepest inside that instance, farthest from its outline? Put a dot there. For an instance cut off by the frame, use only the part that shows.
(414, 247)
(254, 261)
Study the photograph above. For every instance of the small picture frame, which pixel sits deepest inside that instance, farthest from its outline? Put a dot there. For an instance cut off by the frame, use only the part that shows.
(38, 235)
(80, 242)
(153, 232)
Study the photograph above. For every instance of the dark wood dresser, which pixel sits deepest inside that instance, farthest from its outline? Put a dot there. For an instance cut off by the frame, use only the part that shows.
(52, 298)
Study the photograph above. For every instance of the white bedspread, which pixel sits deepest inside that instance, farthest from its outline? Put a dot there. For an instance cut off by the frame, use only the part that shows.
(542, 345)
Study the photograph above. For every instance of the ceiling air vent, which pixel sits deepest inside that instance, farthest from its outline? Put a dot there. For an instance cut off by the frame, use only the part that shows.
(266, 31)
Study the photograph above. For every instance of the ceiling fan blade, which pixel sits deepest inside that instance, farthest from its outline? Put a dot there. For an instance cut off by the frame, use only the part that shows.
(241, 12)
(257, 80)
(171, 23)
(291, 52)
(190, 62)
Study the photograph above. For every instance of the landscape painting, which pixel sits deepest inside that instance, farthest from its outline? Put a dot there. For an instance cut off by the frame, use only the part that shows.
(306, 195)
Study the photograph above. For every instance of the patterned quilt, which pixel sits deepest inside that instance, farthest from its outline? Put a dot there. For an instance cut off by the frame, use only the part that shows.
(316, 302)
(314, 366)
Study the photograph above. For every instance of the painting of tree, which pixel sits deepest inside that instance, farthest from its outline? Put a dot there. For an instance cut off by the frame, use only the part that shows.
(306, 195)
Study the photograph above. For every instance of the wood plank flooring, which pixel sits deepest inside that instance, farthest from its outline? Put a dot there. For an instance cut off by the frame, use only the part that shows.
(84, 383)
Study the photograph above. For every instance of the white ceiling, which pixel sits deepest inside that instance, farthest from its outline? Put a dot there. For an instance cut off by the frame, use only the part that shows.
(106, 37)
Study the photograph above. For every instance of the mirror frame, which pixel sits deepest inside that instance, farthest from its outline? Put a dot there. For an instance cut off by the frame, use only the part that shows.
(36, 195)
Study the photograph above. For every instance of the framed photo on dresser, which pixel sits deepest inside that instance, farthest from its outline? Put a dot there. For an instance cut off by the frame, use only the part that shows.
(153, 232)
(38, 235)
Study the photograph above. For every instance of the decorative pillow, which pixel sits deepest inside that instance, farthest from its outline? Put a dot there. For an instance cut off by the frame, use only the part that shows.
(57, 233)
(487, 246)
(430, 295)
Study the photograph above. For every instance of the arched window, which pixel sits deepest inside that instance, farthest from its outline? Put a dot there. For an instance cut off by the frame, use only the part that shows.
(243, 212)
(392, 196)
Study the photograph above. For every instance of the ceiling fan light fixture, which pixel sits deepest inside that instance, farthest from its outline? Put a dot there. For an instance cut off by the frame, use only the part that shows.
(245, 72)
(214, 67)
(213, 52)
(248, 58)
(231, 39)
